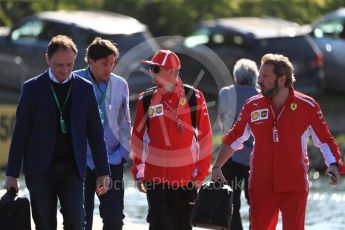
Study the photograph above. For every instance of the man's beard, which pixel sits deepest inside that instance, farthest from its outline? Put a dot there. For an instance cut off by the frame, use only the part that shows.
(270, 92)
(167, 86)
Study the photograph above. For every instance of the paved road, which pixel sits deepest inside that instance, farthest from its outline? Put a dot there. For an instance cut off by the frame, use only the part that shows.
(97, 225)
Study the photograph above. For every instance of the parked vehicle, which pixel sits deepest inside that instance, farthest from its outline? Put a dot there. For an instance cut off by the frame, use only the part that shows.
(329, 34)
(251, 37)
(22, 50)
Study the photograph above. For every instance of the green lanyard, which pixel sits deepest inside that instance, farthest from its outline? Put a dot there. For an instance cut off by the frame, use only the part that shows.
(99, 100)
(62, 121)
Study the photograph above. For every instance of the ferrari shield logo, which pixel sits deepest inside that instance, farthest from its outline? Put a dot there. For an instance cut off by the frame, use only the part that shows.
(182, 101)
(293, 106)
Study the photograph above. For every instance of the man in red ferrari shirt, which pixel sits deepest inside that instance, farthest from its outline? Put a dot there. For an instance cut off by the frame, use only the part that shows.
(281, 120)
(172, 148)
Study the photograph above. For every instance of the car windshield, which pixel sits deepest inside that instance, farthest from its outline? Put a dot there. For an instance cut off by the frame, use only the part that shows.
(216, 38)
(332, 28)
(199, 37)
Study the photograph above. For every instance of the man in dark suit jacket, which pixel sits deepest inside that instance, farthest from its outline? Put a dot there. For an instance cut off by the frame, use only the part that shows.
(56, 115)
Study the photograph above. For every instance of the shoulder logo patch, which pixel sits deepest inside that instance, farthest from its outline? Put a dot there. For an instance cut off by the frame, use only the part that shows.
(264, 114)
(258, 115)
(151, 111)
(255, 116)
(159, 110)
(156, 110)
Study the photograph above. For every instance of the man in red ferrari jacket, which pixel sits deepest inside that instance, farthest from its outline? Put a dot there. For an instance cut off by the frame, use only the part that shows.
(171, 152)
(281, 120)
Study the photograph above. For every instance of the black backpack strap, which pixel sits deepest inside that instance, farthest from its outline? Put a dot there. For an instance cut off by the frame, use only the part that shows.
(191, 98)
(146, 104)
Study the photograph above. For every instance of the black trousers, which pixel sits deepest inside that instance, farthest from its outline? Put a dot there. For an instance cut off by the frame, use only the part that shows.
(62, 182)
(236, 174)
(169, 207)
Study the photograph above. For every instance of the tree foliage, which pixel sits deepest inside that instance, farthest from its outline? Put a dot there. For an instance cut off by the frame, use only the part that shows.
(176, 17)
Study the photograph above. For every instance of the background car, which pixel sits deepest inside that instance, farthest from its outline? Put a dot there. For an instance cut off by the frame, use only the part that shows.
(329, 34)
(251, 37)
(22, 50)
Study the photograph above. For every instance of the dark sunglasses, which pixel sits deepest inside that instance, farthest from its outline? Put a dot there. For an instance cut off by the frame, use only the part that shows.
(154, 68)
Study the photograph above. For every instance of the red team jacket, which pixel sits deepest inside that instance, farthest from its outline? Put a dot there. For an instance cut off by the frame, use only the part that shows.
(282, 166)
(162, 153)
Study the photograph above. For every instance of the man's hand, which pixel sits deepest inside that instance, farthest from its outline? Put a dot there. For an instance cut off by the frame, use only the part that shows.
(102, 185)
(11, 182)
(140, 185)
(333, 173)
(217, 175)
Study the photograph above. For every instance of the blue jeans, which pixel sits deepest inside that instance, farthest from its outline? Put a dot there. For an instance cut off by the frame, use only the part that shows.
(61, 182)
(111, 203)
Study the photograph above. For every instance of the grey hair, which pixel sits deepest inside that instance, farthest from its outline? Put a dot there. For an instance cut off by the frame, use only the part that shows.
(246, 72)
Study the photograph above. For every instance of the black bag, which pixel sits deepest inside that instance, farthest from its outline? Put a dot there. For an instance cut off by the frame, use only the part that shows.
(14, 211)
(213, 207)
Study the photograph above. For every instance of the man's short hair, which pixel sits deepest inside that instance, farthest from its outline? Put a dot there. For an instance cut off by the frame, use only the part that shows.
(281, 66)
(60, 42)
(101, 48)
(246, 72)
